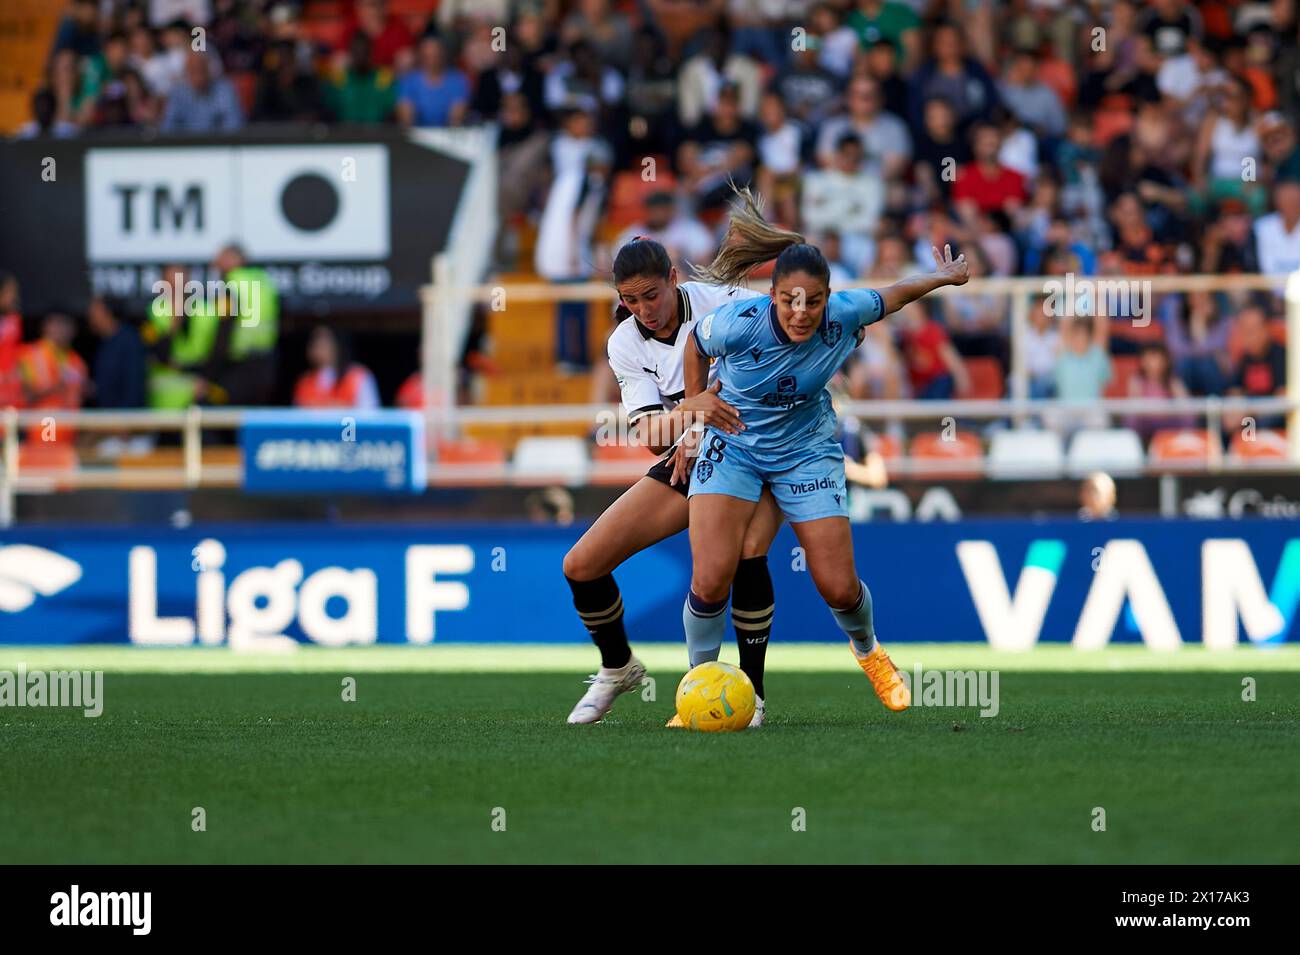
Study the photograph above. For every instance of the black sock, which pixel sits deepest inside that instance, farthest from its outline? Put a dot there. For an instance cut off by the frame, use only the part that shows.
(751, 614)
(600, 606)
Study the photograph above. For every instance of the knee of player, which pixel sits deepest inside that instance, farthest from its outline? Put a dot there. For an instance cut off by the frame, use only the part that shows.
(579, 566)
(711, 588)
(839, 594)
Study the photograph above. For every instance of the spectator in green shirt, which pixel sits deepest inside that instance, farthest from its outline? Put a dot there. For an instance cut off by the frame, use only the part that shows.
(361, 93)
(875, 20)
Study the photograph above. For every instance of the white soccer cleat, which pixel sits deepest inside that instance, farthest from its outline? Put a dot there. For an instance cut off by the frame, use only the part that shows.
(606, 685)
(757, 720)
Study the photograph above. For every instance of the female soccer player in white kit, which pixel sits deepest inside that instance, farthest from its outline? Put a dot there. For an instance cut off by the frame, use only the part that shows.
(645, 353)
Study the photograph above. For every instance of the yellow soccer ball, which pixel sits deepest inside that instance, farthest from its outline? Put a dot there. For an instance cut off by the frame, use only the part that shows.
(715, 698)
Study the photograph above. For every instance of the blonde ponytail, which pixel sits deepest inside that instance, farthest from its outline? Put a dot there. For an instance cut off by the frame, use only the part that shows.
(751, 240)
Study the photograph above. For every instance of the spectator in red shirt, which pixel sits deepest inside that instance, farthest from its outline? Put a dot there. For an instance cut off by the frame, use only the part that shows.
(934, 368)
(985, 185)
(389, 38)
(1261, 369)
(11, 337)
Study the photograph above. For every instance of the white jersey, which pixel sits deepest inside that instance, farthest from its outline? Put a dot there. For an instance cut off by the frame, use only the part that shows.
(650, 371)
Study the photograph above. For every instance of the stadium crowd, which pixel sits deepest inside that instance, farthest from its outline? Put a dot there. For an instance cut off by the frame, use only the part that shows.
(1040, 137)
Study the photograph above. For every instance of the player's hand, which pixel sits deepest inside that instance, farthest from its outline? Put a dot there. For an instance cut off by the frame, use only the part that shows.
(684, 457)
(708, 409)
(952, 271)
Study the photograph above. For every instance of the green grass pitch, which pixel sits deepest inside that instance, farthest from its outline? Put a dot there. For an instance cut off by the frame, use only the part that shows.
(443, 740)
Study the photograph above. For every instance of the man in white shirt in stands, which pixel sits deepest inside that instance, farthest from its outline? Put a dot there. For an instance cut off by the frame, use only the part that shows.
(1277, 235)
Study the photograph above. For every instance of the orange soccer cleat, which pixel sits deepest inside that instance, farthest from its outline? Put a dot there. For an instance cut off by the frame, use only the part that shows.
(884, 676)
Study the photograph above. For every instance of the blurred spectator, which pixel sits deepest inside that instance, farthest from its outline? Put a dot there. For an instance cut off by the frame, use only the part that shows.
(1277, 235)
(806, 89)
(977, 321)
(433, 94)
(885, 139)
(687, 240)
(874, 20)
(780, 147)
(514, 72)
(651, 96)
(1261, 370)
(580, 166)
(707, 75)
(53, 375)
(284, 92)
(1155, 378)
(389, 39)
(1277, 135)
(949, 73)
(846, 196)
(984, 184)
(608, 31)
(1042, 345)
(940, 151)
(202, 103)
(582, 77)
(45, 120)
(243, 356)
(11, 338)
(1097, 498)
(119, 362)
(333, 380)
(66, 83)
(880, 63)
(552, 505)
(162, 69)
(1082, 372)
(934, 369)
(837, 42)
(522, 145)
(1227, 146)
(1170, 24)
(360, 92)
(1030, 100)
(717, 152)
(79, 30)
(1198, 343)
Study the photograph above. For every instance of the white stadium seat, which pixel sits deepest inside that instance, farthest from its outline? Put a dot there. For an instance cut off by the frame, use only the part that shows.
(551, 460)
(1025, 452)
(1116, 451)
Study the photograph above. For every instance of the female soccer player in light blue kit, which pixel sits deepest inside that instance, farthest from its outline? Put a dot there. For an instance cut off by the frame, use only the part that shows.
(776, 355)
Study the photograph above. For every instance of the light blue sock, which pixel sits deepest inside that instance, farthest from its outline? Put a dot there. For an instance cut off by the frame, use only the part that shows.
(857, 622)
(705, 626)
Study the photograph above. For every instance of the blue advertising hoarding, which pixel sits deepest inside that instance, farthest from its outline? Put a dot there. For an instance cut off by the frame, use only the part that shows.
(1011, 583)
(343, 451)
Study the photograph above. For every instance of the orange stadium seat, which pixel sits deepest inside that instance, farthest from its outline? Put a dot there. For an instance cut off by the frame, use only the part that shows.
(628, 193)
(620, 465)
(986, 381)
(1267, 445)
(961, 446)
(460, 460)
(1179, 446)
(886, 445)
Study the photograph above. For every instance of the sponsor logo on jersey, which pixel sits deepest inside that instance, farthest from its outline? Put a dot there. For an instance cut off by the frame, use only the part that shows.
(786, 394)
(807, 487)
(706, 327)
(651, 371)
(757, 353)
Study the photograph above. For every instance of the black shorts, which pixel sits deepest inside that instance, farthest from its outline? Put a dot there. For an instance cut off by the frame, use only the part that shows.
(662, 471)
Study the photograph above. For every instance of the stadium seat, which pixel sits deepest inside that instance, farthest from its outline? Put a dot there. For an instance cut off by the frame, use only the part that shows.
(1268, 446)
(620, 465)
(467, 461)
(551, 461)
(1122, 370)
(961, 453)
(1113, 450)
(1025, 452)
(886, 445)
(1180, 446)
(47, 456)
(986, 379)
(628, 193)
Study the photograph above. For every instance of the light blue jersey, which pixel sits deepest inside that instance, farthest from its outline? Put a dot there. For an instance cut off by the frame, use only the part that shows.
(779, 388)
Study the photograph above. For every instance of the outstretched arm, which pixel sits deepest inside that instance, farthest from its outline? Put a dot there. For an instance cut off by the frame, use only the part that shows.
(948, 271)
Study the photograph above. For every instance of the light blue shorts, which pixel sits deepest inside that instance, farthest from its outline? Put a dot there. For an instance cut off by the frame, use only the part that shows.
(808, 483)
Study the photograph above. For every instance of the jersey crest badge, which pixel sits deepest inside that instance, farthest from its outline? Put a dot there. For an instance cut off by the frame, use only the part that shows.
(831, 333)
(704, 471)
